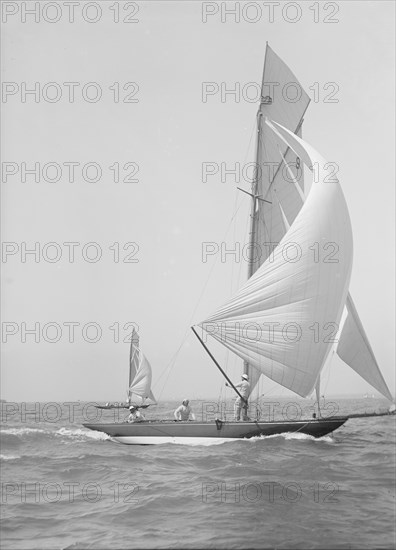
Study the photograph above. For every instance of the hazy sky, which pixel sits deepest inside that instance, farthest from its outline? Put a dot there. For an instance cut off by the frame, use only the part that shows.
(161, 60)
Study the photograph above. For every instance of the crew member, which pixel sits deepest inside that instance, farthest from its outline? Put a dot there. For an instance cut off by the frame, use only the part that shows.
(244, 389)
(183, 412)
(135, 415)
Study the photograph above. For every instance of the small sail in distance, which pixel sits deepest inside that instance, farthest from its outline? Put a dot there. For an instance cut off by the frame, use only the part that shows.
(140, 389)
(140, 375)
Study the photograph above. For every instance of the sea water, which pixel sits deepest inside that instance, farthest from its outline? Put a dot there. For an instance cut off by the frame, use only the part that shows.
(66, 487)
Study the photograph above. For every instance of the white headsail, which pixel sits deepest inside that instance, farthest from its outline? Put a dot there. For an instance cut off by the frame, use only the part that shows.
(355, 350)
(276, 320)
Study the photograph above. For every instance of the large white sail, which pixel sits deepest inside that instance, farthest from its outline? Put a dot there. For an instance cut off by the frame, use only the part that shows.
(283, 100)
(273, 180)
(274, 319)
(353, 346)
(355, 350)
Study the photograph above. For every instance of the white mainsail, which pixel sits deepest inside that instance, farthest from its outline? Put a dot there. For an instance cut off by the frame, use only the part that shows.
(285, 101)
(140, 375)
(270, 322)
(278, 105)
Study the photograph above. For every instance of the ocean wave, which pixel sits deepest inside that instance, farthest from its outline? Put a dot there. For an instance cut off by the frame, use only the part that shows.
(70, 433)
(9, 457)
(24, 431)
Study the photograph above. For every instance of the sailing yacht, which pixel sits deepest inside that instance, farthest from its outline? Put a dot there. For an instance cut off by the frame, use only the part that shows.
(140, 376)
(295, 308)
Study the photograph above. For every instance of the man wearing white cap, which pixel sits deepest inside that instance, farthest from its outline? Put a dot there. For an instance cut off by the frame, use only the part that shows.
(183, 412)
(244, 389)
(135, 415)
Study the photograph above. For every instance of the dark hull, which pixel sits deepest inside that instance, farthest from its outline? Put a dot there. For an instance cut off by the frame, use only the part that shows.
(112, 406)
(157, 431)
(126, 406)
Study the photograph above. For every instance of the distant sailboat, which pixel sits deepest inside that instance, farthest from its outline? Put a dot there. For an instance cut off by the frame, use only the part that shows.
(283, 321)
(140, 376)
(140, 393)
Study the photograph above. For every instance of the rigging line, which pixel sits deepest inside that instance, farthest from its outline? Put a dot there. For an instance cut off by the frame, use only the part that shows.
(167, 377)
(169, 366)
(238, 284)
(234, 238)
(238, 280)
(250, 140)
(226, 360)
(248, 180)
(187, 332)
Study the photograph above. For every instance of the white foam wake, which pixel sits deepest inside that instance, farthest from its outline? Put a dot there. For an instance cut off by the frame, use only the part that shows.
(295, 435)
(78, 433)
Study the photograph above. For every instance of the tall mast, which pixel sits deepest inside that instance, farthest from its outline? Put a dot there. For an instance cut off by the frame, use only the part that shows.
(252, 227)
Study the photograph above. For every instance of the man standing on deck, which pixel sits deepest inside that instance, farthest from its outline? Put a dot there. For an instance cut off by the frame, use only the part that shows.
(183, 412)
(135, 415)
(244, 389)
